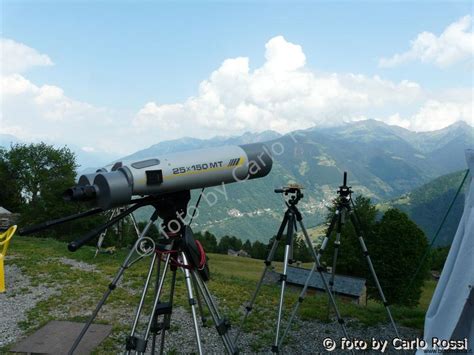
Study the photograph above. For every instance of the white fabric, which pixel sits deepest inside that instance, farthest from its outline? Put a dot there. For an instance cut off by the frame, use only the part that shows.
(451, 311)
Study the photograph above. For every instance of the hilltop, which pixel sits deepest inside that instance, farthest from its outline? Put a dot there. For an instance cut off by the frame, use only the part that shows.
(427, 205)
(383, 163)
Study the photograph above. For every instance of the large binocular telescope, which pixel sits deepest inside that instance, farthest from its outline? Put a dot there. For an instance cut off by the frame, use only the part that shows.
(117, 184)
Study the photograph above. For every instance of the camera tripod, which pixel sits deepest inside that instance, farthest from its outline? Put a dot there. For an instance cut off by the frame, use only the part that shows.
(112, 214)
(177, 250)
(290, 219)
(345, 207)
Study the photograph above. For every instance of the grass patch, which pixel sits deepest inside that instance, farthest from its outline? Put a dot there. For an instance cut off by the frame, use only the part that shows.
(233, 281)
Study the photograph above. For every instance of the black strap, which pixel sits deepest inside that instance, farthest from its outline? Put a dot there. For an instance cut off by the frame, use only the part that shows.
(196, 206)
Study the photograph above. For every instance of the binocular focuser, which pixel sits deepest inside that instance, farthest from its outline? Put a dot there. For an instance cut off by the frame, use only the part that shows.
(116, 185)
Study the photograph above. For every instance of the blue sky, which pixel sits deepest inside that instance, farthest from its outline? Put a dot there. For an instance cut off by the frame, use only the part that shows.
(118, 57)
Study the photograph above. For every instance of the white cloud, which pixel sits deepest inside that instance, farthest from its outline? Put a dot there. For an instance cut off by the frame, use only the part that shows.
(88, 149)
(435, 115)
(17, 57)
(282, 95)
(33, 113)
(455, 44)
(283, 56)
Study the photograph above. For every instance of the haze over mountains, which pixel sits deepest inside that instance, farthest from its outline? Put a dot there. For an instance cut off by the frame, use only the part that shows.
(427, 205)
(383, 162)
(86, 159)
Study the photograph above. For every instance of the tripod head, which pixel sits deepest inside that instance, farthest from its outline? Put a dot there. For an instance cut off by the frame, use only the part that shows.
(293, 192)
(345, 191)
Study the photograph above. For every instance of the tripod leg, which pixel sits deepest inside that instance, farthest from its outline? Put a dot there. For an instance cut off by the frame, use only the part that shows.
(328, 234)
(222, 325)
(167, 317)
(155, 318)
(199, 302)
(320, 270)
(337, 243)
(302, 294)
(372, 270)
(157, 296)
(113, 284)
(268, 263)
(289, 239)
(192, 301)
(291, 259)
(134, 222)
(102, 236)
(142, 299)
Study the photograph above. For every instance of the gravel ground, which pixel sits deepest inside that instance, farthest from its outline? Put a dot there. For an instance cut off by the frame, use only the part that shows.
(305, 338)
(78, 265)
(19, 297)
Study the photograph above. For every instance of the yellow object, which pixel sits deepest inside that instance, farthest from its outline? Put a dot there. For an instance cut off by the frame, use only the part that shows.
(4, 241)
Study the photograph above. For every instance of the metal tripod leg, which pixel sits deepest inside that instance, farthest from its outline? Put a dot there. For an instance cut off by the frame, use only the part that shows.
(328, 234)
(301, 297)
(102, 235)
(142, 298)
(289, 239)
(222, 325)
(134, 222)
(192, 301)
(156, 294)
(337, 243)
(167, 317)
(372, 270)
(157, 297)
(199, 302)
(113, 284)
(268, 264)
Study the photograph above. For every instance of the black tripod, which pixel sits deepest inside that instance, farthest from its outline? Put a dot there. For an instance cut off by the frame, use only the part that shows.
(177, 250)
(292, 216)
(345, 207)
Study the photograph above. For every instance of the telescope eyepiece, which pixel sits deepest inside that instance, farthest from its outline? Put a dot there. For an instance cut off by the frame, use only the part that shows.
(80, 193)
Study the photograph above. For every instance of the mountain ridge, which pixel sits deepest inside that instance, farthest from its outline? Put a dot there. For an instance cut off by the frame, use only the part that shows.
(426, 205)
(381, 162)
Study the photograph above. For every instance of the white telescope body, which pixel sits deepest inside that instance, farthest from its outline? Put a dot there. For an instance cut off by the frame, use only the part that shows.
(116, 184)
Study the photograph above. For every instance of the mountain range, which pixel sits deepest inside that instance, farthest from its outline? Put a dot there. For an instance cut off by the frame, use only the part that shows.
(85, 159)
(382, 161)
(428, 204)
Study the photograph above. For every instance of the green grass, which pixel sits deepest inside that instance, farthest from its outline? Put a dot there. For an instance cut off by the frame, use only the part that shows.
(233, 282)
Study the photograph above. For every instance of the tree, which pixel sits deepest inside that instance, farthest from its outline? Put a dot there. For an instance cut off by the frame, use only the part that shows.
(10, 196)
(247, 246)
(41, 173)
(350, 259)
(301, 252)
(208, 241)
(227, 243)
(259, 250)
(396, 252)
(280, 250)
(438, 258)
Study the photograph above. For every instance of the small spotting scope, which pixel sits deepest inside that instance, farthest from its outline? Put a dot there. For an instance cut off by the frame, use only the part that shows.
(115, 185)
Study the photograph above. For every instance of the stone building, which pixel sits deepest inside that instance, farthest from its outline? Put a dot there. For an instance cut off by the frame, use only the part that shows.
(352, 289)
(7, 218)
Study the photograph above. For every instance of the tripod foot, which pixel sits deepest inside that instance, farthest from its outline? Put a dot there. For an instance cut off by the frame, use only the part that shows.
(135, 343)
